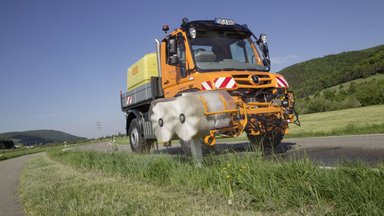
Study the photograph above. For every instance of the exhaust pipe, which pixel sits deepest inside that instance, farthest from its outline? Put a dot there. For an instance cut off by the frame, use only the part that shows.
(158, 57)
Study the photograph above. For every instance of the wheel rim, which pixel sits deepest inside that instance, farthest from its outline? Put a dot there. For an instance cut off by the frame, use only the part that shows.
(134, 137)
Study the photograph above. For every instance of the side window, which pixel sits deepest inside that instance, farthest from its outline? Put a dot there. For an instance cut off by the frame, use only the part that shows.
(181, 54)
(249, 53)
(169, 54)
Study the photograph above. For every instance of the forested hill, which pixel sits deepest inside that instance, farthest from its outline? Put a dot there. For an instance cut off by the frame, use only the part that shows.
(37, 137)
(308, 77)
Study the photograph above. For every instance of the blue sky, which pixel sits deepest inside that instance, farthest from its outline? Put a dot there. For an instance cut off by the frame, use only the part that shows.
(63, 63)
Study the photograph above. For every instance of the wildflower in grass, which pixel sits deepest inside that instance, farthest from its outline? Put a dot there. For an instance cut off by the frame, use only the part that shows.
(233, 175)
(229, 177)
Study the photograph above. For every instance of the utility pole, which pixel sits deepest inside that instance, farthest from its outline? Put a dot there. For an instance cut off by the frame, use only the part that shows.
(99, 126)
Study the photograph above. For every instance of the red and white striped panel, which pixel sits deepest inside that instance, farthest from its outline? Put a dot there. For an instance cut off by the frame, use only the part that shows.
(225, 82)
(129, 100)
(281, 82)
(206, 85)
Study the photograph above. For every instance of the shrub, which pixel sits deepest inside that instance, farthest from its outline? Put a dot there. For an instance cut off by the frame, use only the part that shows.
(370, 95)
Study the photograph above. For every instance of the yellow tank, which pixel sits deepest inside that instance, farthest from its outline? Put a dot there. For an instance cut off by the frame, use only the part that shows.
(141, 72)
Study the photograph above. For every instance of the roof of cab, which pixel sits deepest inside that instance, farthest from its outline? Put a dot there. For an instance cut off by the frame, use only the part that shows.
(211, 24)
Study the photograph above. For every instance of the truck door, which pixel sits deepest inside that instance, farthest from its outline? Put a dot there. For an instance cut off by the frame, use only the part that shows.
(176, 70)
(181, 70)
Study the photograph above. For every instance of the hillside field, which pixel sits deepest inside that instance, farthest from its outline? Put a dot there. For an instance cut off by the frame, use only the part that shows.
(40, 137)
(362, 120)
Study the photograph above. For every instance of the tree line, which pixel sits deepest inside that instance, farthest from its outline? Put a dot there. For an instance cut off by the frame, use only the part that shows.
(349, 95)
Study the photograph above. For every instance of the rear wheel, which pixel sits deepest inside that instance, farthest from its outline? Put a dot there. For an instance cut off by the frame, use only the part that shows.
(136, 140)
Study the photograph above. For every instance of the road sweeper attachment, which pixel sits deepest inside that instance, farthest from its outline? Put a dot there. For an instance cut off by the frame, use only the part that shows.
(191, 115)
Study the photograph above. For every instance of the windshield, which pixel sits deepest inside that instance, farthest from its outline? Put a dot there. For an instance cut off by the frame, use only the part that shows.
(225, 50)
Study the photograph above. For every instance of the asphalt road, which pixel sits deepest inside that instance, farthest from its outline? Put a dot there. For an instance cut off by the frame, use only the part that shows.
(327, 151)
(336, 149)
(9, 178)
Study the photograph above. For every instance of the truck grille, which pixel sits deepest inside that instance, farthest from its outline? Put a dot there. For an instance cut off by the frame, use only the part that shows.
(244, 80)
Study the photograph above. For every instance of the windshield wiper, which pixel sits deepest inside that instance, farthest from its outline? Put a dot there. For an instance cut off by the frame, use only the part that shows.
(257, 69)
(229, 69)
(252, 69)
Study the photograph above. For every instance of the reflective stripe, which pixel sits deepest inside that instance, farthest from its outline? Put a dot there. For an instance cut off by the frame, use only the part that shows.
(129, 100)
(206, 85)
(281, 82)
(225, 82)
(219, 81)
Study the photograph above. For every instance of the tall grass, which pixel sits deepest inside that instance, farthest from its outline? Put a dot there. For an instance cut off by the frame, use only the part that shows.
(249, 182)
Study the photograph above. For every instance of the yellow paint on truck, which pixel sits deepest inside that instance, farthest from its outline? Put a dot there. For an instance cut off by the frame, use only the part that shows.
(141, 72)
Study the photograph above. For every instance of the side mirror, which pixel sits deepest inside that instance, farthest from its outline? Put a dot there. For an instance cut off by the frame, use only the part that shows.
(173, 60)
(267, 62)
(172, 47)
(265, 49)
(262, 42)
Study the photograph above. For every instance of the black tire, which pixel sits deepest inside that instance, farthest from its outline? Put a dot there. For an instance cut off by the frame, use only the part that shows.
(136, 140)
(268, 141)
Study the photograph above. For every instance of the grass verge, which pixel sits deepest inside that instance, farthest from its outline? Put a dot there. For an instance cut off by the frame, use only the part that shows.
(51, 188)
(12, 153)
(235, 183)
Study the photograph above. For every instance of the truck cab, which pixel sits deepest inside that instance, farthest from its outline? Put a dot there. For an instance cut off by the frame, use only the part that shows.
(200, 51)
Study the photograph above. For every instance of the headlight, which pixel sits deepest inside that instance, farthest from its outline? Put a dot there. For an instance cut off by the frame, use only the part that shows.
(192, 32)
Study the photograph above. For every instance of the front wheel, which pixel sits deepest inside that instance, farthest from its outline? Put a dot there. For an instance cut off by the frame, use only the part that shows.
(267, 141)
(137, 142)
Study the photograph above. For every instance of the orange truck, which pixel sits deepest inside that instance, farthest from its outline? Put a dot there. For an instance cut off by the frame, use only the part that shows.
(207, 79)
